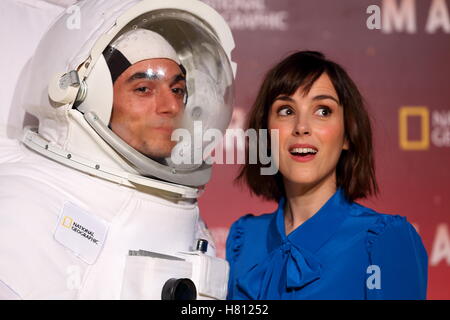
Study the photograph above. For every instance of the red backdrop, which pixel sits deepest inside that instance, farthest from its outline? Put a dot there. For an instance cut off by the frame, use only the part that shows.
(402, 70)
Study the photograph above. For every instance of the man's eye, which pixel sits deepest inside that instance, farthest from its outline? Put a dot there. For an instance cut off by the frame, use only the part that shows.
(179, 91)
(285, 111)
(324, 111)
(142, 90)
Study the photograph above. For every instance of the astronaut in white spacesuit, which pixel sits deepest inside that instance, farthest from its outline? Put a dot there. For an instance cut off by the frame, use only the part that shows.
(92, 205)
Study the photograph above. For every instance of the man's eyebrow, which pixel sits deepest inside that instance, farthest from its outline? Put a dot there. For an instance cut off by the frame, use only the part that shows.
(178, 78)
(324, 97)
(155, 76)
(144, 75)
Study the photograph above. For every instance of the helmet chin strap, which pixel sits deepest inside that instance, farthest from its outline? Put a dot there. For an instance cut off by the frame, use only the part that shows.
(146, 166)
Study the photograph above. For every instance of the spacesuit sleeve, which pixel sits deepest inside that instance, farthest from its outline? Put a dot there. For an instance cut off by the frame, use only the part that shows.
(6, 293)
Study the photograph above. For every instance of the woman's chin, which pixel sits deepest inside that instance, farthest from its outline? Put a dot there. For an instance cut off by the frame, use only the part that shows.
(303, 181)
(309, 181)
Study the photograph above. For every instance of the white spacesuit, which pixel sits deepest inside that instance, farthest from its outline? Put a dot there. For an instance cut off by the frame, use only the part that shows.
(86, 210)
(24, 22)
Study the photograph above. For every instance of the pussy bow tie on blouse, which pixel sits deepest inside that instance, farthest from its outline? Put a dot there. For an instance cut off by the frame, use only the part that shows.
(292, 265)
(265, 280)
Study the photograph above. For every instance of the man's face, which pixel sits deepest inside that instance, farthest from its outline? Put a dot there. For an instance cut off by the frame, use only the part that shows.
(148, 104)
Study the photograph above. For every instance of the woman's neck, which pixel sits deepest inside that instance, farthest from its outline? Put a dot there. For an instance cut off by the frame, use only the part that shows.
(303, 201)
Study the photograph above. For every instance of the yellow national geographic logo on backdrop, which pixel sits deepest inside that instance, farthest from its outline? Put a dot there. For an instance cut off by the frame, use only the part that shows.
(404, 114)
(67, 222)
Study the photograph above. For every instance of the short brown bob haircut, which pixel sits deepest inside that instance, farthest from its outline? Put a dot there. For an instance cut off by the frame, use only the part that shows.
(355, 171)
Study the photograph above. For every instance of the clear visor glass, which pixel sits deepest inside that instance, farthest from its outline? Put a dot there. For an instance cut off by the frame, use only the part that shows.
(192, 90)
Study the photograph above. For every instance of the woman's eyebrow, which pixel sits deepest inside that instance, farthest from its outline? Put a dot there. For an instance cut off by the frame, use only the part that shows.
(284, 98)
(324, 97)
(319, 97)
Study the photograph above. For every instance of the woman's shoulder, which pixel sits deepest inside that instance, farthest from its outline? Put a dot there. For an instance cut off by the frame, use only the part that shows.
(247, 228)
(251, 220)
(375, 219)
(249, 224)
(385, 228)
(396, 250)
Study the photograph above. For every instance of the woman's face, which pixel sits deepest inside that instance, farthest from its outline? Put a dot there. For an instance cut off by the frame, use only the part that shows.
(311, 133)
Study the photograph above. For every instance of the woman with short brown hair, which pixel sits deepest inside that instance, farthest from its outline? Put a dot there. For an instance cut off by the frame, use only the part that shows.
(319, 243)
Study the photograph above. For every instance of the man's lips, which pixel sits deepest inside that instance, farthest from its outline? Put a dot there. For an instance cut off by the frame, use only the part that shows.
(303, 152)
(164, 129)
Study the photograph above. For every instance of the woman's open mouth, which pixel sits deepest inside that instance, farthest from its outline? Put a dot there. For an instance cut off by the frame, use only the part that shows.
(303, 153)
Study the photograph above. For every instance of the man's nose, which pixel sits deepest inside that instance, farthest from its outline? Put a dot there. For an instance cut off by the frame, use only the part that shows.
(302, 126)
(168, 104)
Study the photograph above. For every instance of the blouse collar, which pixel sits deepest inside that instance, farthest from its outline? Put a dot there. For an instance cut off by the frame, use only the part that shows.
(314, 232)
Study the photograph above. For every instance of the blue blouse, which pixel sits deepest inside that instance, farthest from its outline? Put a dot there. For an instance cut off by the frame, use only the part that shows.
(344, 251)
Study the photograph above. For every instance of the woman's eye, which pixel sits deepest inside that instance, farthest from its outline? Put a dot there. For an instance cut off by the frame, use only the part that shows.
(324, 111)
(284, 111)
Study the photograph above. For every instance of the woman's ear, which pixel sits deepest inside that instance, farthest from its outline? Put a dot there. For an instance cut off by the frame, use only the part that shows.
(346, 144)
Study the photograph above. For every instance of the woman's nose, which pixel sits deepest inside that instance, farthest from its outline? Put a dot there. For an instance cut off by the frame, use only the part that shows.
(302, 127)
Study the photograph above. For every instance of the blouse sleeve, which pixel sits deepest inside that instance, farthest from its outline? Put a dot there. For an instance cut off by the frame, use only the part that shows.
(398, 261)
(235, 241)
